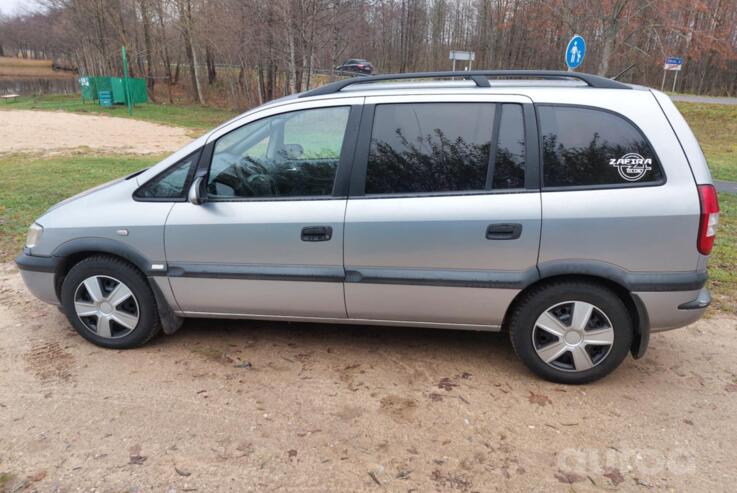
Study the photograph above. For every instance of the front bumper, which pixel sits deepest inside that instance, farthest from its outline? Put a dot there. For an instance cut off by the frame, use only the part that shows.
(38, 274)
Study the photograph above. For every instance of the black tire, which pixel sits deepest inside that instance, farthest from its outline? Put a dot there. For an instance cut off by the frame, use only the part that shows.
(102, 265)
(532, 304)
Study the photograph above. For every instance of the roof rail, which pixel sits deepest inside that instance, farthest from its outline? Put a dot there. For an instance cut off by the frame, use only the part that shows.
(480, 77)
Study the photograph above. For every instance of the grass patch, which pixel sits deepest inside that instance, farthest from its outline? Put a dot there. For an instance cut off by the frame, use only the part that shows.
(198, 118)
(30, 184)
(723, 260)
(715, 126)
(5, 479)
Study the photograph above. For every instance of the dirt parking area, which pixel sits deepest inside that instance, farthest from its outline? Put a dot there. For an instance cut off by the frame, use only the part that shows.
(256, 406)
(56, 132)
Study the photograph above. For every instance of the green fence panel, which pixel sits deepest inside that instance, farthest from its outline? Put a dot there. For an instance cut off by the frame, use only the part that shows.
(93, 87)
(87, 88)
(138, 91)
(102, 84)
(118, 89)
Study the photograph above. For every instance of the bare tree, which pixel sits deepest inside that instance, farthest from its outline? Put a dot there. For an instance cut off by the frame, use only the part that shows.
(251, 51)
(186, 26)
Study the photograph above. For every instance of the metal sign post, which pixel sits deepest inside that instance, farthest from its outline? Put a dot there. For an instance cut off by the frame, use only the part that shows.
(575, 51)
(675, 64)
(468, 56)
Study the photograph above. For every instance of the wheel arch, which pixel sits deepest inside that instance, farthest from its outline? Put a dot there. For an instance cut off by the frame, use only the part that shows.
(72, 252)
(634, 305)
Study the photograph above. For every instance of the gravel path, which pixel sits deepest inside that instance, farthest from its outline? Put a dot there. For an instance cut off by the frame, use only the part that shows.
(53, 132)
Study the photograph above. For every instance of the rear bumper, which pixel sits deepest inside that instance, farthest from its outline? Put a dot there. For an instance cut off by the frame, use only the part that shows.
(668, 310)
(38, 275)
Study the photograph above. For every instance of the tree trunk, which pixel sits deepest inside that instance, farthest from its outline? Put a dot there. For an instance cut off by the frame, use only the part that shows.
(187, 22)
(164, 41)
(210, 62)
(611, 30)
(292, 59)
(193, 70)
(176, 73)
(150, 76)
(261, 84)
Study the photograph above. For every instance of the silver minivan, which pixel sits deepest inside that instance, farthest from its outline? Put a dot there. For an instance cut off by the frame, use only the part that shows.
(573, 211)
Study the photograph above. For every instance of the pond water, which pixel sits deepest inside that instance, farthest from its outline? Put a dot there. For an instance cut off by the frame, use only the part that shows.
(36, 85)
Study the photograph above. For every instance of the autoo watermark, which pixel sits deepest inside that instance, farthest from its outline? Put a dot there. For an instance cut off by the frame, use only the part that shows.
(645, 462)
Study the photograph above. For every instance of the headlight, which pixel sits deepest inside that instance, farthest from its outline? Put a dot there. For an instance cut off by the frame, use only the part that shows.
(34, 235)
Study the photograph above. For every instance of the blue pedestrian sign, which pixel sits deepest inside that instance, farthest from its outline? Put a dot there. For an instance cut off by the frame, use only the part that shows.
(575, 51)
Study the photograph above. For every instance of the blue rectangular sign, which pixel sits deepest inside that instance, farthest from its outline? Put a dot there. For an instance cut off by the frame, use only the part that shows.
(674, 60)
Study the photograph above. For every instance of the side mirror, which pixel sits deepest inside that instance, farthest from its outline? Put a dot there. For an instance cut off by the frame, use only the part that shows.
(196, 194)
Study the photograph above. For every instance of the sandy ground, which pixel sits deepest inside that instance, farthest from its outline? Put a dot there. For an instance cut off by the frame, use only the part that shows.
(254, 406)
(58, 131)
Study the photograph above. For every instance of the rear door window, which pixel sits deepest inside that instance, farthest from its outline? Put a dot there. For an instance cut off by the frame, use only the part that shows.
(429, 147)
(585, 147)
(445, 148)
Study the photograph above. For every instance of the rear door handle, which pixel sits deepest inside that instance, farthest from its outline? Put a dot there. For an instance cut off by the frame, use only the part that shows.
(503, 231)
(317, 233)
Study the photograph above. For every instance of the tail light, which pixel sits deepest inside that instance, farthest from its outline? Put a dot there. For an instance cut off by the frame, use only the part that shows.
(709, 218)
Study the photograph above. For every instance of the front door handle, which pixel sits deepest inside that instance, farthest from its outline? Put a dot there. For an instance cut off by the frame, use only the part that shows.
(317, 233)
(503, 231)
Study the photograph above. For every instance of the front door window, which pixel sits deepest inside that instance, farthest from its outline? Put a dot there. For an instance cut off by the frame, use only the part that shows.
(293, 154)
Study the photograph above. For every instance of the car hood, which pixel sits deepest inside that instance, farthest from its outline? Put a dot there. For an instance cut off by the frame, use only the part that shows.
(85, 193)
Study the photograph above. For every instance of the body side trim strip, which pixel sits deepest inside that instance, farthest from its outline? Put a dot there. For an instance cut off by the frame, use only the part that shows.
(442, 277)
(633, 281)
(258, 272)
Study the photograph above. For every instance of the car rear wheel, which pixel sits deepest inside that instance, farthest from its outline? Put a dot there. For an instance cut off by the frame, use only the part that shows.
(109, 303)
(571, 332)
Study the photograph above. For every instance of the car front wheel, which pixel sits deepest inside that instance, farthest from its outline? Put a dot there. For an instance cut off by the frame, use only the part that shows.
(110, 303)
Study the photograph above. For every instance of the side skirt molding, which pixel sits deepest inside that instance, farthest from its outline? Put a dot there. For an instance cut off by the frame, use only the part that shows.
(352, 321)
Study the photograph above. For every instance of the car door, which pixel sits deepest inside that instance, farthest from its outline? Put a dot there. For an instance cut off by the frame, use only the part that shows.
(268, 239)
(443, 221)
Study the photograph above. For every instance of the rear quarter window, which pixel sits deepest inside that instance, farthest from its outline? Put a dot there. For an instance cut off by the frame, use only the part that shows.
(584, 147)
